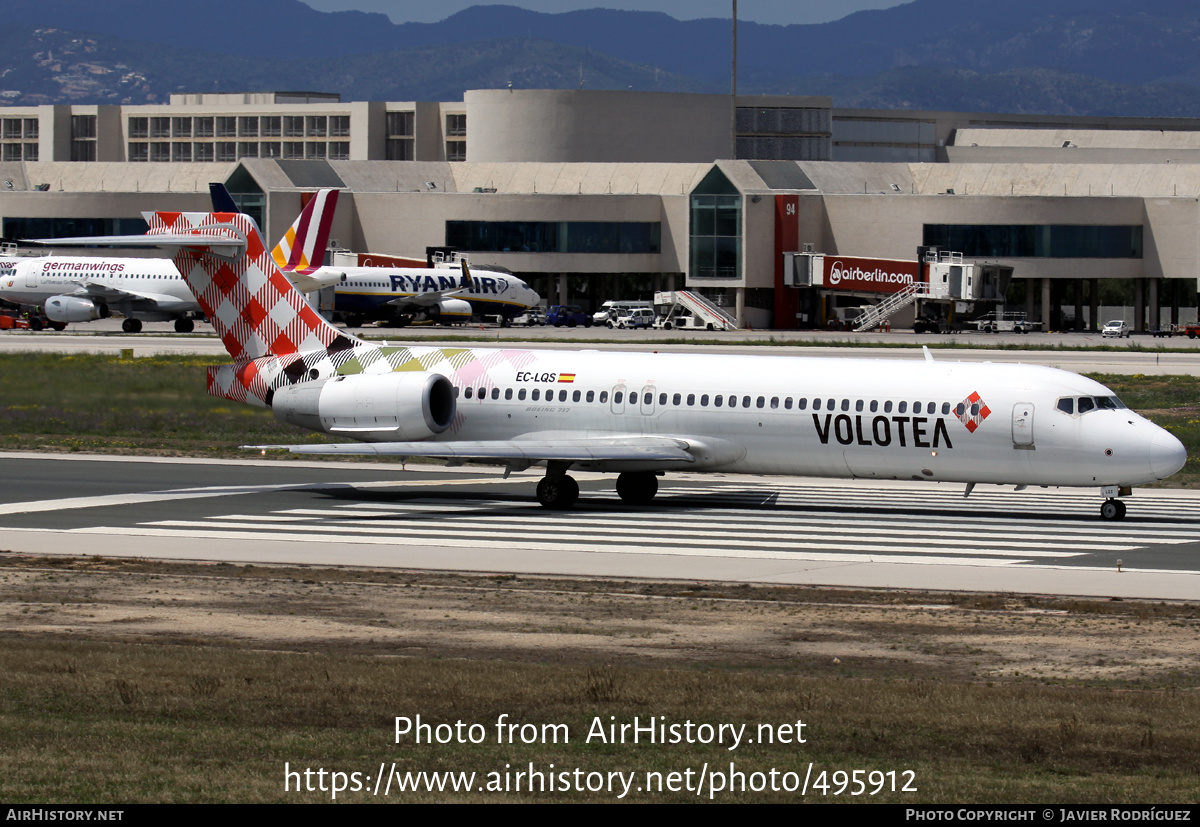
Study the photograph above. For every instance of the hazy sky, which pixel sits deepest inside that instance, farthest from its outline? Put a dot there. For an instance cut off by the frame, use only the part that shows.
(760, 11)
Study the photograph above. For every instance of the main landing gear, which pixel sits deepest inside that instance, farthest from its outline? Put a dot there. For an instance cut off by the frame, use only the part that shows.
(184, 325)
(560, 491)
(132, 325)
(1113, 510)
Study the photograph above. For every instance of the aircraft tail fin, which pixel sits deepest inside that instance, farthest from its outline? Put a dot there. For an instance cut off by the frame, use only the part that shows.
(222, 201)
(253, 307)
(302, 247)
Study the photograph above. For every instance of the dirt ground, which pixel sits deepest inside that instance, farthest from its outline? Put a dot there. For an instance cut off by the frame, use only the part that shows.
(818, 631)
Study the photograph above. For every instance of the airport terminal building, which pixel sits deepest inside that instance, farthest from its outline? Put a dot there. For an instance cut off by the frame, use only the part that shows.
(599, 195)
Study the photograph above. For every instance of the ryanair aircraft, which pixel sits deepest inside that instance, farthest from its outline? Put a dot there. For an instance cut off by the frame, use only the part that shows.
(640, 415)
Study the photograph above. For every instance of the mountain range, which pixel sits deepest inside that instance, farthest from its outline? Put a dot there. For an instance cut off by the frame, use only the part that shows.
(1097, 57)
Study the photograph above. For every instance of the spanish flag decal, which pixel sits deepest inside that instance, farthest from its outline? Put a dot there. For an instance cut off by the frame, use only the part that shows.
(566, 377)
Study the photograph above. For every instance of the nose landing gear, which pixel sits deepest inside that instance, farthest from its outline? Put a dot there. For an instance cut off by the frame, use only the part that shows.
(1113, 510)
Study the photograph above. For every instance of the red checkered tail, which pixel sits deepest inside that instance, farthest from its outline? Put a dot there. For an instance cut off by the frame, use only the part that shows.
(253, 307)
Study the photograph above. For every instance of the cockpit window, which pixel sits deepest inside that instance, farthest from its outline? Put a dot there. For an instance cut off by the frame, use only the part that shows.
(1110, 403)
(1066, 405)
(1086, 404)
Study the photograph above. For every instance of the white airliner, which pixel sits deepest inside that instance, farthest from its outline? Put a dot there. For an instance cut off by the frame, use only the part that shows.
(81, 289)
(404, 294)
(643, 414)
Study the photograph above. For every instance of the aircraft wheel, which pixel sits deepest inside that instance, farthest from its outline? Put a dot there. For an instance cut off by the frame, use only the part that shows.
(637, 487)
(184, 325)
(559, 493)
(1113, 510)
(60, 326)
(132, 325)
(35, 323)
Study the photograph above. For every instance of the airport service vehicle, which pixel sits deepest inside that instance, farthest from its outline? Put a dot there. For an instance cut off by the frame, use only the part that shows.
(1190, 330)
(530, 317)
(1116, 328)
(637, 317)
(611, 310)
(570, 315)
(998, 321)
(643, 414)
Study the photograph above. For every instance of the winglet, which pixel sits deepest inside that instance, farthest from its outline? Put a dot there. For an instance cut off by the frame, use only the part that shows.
(465, 281)
(928, 355)
(302, 248)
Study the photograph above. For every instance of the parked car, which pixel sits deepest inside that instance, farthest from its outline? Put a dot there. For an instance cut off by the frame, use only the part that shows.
(636, 317)
(567, 314)
(1116, 328)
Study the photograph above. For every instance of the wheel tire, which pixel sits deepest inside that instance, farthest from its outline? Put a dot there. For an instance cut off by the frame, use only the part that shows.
(609, 324)
(132, 325)
(59, 326)
(666, 325)
(35, 324)
(709, 326)
(571, 323)
(587, 322)
(560, 493)
(1191, 334)
(1113, 510)
(637, 487)
(184, 325)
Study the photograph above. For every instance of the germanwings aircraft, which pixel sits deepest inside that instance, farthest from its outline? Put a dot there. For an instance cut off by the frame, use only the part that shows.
(81, 289)
(640, 415)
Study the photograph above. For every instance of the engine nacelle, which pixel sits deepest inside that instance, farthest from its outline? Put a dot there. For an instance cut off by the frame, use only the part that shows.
(453, 309)
(374, 407)
(74, 309)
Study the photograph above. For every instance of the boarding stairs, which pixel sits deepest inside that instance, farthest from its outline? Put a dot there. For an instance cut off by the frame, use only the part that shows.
(706, 313)
(876, 314)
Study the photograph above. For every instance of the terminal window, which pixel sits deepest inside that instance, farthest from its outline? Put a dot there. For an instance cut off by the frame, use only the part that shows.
(1037, 240)
(627, 237)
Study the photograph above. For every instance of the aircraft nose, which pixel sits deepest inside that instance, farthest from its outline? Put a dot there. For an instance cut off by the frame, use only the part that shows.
(1167, 455)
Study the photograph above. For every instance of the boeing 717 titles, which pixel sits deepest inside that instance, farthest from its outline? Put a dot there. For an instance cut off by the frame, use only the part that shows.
(640, 415)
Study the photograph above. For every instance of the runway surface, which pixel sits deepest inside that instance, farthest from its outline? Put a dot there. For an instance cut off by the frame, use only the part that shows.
(701, 527)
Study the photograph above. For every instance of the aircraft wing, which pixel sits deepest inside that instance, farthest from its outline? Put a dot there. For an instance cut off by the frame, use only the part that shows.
(428, 299)
(93, 290)
(317, 280)
(588, 449)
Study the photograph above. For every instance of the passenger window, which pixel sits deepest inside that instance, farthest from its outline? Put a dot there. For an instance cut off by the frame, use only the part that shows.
(874, 405)
(633, 399)
(618, 398)
(704, 401)
(1066, 405)
(787, 403)
(762, 401)
(483, 393)
(961, 409)
(745, 402)
(816, 404)
(691, 399)
(858, 405)
(802, 403)
(456, 392)
(662, 399)
(717, 401)
(1086, 404)
(945, 408)
(676, 399)
(508, 393)
(603, 397)
(829, 404)
(575, 397)
(887, 406)
(562, 395)
(845, 404)
(495, 393)
(536, 395)
(591, 396)
(468, 392)
(521, 395)
(902, 407)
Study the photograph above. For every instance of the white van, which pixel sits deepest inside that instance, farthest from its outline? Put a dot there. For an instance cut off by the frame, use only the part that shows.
(609, 311)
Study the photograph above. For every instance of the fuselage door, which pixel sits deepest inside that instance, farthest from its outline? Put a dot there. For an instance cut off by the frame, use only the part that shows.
(1022, 425)
(648, 400)
(31, 277)
(618, 399)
